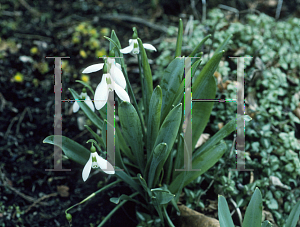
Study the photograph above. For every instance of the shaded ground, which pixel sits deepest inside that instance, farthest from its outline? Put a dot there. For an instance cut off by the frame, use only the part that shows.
(31, 196)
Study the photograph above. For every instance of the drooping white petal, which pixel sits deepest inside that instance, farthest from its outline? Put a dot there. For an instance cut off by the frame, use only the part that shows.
(89, 102)
(121, 93)
(105, 165)
(76, 106)
(117, 76)
(119, 66)
(149, 46)
(87, 169)
(93, 68)
(128, 49)
(101, 93)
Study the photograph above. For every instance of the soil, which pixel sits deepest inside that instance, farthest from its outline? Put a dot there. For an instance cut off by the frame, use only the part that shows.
(29, 195)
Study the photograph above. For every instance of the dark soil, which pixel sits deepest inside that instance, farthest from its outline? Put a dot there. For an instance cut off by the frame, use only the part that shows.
(29, 195)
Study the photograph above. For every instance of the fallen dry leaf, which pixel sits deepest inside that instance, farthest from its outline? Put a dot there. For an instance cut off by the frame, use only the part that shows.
(63, 190)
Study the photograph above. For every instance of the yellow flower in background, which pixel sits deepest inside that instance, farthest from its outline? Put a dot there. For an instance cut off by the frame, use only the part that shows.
(82, 53)
(34, 50)
(18, 77)
(101, 53)
(105, 31)
(81, 27)
(93, 32)
(85, 78)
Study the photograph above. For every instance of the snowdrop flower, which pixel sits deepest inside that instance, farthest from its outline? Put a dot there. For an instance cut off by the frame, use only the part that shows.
(87, 101)
(95, 161)
(134, 45)
(112, 79)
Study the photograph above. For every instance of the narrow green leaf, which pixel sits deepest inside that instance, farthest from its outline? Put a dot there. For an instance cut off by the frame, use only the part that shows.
(170, 223)
(223, 45)
(159, 154)
(104, 128)
(108, 216)
(115, 40)
(158, 209)
(153, 119)
(294, 216)
(207, 72)
(86, 85)
(88, 112)
(126, 178)
(224, 213)
(221, 134)
(170, 83)
(179, 39)
(198, 47)
(148, 83)
(118, 157)
(253, 215)
(178, 163)
(202, 110)
(266, 223)
(72, 149)
(127, 152)
(163, 197)
(168, 132)
(132, 130)
(180, 90)
(144, 184)
(203, 162)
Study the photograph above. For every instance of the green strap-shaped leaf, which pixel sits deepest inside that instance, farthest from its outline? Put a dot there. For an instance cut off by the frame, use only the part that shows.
(179, 158)
(170, 83)
(203, 162)
(204, 87)
(154, 119)
(118, 157)
(132, 131)
(144, 185)
(221, 134)
(115, 41)
(223, 45)
(180, 91)
(148, 83)
(179, 39)
(224, 213)
(163, 197)
(206, 73)
(294, 216)
(253, 215)
(159, 154)
(266, 223)
(202, 110)
(88, 112)
(126, 178)
(168, 132)
(117, 200)
(123, 146)
(72, 149)
(198, 47)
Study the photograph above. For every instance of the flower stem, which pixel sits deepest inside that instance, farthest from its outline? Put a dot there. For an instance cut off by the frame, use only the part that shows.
(115, 209)
(93, 194)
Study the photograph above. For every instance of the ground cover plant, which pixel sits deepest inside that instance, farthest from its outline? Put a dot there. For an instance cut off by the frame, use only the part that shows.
(272, 99)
